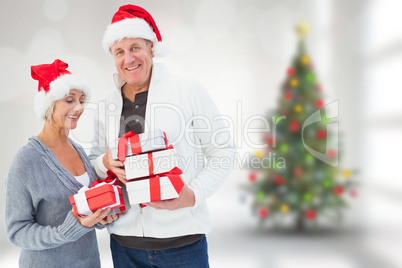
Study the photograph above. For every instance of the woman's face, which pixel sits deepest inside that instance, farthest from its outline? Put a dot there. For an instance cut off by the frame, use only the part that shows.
(68, 110)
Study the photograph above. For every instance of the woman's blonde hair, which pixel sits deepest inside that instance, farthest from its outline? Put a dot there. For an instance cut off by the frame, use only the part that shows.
(49, 113)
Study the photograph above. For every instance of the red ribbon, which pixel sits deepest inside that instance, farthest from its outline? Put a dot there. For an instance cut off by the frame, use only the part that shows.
(151, 161)
(110, 178)
(166, 141)
(135, 145)
(150, 164)
(155, 187)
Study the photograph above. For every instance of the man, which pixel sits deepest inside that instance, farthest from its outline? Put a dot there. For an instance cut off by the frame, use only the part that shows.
(167, 233)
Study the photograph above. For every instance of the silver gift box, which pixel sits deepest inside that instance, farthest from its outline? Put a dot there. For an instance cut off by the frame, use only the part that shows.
(150, 141)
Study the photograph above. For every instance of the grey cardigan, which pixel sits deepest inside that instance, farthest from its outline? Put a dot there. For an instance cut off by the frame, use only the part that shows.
(38, 212)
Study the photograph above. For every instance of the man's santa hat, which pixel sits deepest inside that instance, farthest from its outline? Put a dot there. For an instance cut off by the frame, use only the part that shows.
(55, 82)
(134, 22)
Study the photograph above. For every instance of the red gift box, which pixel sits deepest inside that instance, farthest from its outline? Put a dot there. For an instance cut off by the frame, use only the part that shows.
(102, 194)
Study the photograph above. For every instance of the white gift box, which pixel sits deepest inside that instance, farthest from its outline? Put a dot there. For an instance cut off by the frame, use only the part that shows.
(148, 164)
(150, 141)
(142, 191)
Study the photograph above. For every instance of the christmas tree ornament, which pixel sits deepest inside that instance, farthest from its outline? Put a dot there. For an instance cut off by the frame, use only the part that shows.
(259, 154)
(310, 214)
(284, 148)
(331, 153)
(288, 96)
(291, 71)
(294, 126)
(280, 180)
(294, 82)
(302, 29)
(297, 172)
(353, 192)
(319, 104)
(298, 108)
(310, 77)
(263, 212)
(270, 141)
(307, 197)
(321, 134)
(252, 177)
(338, 190)
(284, 208)
(305, 60)
(309, 158)
(327, 183)
(346, 173)
(260, 195)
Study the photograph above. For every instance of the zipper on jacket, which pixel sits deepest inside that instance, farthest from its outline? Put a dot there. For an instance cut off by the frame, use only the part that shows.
(142, 221)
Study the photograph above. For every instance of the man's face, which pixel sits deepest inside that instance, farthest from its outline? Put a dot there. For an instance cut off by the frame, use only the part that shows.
(133, 60)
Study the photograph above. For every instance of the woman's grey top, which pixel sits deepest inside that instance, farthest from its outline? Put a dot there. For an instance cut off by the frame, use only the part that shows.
(39, 219)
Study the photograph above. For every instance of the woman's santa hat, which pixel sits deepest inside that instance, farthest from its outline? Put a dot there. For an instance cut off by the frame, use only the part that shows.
(55, 82)
(134, 22)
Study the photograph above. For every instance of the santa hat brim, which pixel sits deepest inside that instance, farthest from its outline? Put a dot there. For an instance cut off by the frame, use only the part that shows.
(58, 89)
(132, 28)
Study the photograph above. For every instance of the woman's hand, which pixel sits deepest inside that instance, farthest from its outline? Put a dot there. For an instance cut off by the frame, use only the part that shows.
(115, 166)
(98, 216)
(108, 219)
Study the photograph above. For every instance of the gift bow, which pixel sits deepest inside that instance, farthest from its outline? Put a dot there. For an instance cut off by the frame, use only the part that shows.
(154, 183)
(135, 145)
(110, 179)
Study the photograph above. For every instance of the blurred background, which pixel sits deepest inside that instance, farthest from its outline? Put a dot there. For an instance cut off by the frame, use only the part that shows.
(240, 51)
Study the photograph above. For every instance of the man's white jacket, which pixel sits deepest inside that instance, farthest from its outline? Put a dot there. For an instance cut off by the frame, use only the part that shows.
(182, 108)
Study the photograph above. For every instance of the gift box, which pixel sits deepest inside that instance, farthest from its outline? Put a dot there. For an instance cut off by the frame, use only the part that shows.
(154, 188)
(145, 165)
(131, 144)
(101, 195)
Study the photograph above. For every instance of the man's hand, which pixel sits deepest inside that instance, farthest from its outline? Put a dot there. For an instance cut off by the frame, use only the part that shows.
(115, 166)
(186, 199)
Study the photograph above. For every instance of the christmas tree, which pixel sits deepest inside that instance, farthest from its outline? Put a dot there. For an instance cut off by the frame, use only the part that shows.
(307, 183)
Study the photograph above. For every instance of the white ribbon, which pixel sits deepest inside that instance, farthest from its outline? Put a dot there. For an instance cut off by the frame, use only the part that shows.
(82, 204)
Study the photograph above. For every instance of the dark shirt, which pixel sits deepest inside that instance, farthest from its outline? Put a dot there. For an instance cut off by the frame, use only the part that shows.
(133, 119)
(133, 114)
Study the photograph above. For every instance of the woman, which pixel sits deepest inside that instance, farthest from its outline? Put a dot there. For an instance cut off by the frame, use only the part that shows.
(45, 172)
